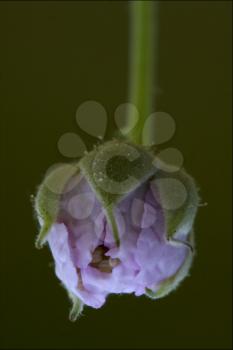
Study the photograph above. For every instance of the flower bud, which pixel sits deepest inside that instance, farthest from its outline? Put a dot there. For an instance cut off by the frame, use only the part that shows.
(117, 224)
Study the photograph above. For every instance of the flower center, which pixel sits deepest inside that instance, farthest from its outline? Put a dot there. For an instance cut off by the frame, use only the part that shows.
(102, 262)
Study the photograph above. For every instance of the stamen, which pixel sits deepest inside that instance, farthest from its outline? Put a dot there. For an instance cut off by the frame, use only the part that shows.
(102, 262)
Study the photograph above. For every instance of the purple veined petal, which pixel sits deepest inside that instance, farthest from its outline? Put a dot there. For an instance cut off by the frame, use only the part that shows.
(148, 277)
(148, 248)
(100, 225)
(173, 257)
(97, 281)
(81, 205)
(77, 185)
(149, 216)
(158, 260)
(83, 242)
(125, 279)
(59, 245)
(143, 214)
(91, 298)
(137, 212)
(82, 252)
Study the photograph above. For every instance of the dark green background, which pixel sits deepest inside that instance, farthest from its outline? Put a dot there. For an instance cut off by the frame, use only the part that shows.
(55, 55)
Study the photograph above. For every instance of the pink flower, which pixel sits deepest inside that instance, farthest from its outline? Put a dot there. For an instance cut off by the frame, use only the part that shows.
(145, 259)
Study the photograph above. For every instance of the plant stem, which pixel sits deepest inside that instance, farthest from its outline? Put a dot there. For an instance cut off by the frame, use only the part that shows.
(143, 42)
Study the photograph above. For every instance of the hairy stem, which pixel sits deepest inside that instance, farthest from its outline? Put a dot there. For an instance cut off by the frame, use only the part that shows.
(143, 42)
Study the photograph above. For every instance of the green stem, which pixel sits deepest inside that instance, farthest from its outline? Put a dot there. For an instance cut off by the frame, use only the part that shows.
(142, 63)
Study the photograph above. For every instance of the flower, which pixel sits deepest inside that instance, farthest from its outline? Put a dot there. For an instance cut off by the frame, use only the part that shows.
(111, 232)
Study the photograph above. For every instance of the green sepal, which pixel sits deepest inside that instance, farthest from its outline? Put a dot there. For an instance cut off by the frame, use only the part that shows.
(177, 221)
(76, 309)
(131, 166)
(48, 198)
(182, 217)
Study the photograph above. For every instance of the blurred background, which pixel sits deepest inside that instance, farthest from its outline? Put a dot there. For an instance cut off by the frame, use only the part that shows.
(56, 55)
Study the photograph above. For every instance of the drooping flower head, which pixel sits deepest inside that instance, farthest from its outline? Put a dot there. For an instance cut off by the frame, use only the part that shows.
(117, 224)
